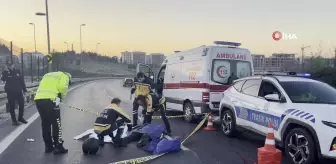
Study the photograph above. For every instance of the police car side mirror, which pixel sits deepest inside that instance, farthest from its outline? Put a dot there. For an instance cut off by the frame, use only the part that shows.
(272, 97)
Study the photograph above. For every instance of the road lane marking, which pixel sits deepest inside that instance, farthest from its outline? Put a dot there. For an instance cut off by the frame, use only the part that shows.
(4, 144)
(14, 134)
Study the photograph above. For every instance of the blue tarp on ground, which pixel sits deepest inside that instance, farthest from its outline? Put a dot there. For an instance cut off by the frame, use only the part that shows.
(158, 144)
(154, 131)
(166, 146)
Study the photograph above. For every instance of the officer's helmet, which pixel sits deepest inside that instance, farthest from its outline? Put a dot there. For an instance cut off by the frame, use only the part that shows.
(90, 146)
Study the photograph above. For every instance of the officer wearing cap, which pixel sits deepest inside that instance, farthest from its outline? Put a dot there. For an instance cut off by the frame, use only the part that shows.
(53, 87)
(15, 87)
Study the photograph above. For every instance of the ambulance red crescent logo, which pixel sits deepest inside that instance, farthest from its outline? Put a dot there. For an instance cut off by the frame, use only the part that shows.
(221, 71)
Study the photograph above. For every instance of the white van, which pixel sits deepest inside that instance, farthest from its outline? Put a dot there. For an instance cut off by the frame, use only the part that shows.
(193, 80)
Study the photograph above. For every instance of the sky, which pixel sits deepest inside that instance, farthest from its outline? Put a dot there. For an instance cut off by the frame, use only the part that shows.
(165, 26)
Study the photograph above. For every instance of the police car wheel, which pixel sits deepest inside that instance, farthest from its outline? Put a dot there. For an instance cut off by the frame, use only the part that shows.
(300, 146)
(228, 123)
(188, 111)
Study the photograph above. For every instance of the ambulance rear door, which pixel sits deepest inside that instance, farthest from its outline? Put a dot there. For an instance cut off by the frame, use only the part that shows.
(227, 64)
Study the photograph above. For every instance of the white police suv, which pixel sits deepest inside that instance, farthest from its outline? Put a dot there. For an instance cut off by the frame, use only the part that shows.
(302, 111)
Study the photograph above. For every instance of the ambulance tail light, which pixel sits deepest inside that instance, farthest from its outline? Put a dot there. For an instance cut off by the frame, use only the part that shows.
(205, 96)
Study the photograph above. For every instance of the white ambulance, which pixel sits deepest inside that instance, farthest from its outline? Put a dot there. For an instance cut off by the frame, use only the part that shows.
(193, 81)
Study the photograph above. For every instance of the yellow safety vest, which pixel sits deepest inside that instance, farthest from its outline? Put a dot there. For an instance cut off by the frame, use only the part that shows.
(98, 128)
(51, 85)
(141, 89)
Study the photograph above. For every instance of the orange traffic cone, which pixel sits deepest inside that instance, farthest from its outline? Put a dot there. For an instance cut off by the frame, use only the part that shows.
(269, 154)
(210, 126)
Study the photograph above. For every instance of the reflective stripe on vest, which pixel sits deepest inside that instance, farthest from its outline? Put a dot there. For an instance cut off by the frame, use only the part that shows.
(52, 76)
(119, 110)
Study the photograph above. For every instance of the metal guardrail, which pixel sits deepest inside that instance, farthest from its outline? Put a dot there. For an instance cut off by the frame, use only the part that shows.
(31, 93)
(33, 87)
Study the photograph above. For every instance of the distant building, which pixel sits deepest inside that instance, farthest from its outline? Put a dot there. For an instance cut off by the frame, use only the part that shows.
(126, 57)
(276, 62)
(133, 57)
(138, 57)
(155, 59)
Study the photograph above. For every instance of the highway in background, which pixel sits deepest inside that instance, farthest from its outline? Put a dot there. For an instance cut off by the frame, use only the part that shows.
(208, 147)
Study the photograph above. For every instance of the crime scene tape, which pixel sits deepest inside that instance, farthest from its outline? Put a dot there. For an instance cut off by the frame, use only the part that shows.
(97, 113)
(151, 157)
(82, 110)
(197, 128)
(139, 160)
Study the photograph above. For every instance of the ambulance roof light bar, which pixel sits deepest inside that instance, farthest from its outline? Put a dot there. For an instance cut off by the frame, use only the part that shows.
(227, 43)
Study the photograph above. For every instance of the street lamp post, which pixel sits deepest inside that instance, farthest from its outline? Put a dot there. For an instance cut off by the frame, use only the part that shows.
(67, 45)
(81, 50)
(97, 47)
(34, 35)
(80, 35)
(48, 32)
(302, 51)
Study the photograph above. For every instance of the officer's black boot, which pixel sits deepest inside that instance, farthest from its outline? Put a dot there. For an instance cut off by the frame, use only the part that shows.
(14, 121)
(59, 149)
(22, 120)
(49, 149)
(118, 141)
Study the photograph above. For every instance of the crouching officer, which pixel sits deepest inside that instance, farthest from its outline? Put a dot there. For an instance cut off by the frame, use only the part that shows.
(156, 102)
(53, 87)
(142, 87)
(107, 122)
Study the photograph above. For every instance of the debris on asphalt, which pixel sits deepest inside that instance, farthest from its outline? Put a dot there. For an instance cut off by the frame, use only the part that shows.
(30, 140)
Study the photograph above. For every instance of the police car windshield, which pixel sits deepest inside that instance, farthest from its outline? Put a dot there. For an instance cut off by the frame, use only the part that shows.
(309, 92)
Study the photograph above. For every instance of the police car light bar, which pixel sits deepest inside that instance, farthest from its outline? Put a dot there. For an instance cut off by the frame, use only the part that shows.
(227, 43)
(304, 75)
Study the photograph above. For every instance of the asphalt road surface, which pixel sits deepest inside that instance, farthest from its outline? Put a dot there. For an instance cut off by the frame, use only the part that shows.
(207, 147)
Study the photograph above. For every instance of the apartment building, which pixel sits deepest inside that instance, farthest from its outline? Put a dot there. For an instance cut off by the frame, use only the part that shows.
(155, 59)
(138, 57)
(276, 62)
(134, 57)
(126, 57)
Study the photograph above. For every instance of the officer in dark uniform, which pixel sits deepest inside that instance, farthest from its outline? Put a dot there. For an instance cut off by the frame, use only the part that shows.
(151, 100)
(108, 121)
(156, 102)
(15, 87)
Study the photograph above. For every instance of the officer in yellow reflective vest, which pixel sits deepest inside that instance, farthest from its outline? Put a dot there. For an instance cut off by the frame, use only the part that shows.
(142, 87)
(53, 87)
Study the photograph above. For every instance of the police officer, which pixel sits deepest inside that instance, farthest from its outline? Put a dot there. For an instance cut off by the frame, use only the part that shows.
(53, 87)
(15, 87)
(108, 121)
(142, 87)
(156, 102)
(143, 91)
